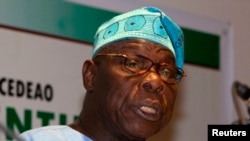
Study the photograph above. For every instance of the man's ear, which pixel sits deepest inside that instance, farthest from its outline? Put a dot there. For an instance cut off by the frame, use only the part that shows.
(88, 73)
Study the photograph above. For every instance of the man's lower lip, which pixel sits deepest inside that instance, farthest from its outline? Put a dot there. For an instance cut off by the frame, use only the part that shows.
(148, 116)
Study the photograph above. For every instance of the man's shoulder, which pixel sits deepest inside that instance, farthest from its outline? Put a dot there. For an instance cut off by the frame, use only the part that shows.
(52, 133)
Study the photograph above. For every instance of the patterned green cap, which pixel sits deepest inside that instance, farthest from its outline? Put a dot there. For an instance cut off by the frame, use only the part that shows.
(148, 23)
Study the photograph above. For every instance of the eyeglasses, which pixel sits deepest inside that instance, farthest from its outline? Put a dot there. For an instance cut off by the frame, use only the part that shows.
(140, 65)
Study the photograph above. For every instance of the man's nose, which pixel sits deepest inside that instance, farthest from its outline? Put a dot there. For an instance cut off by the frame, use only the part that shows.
(152, 82)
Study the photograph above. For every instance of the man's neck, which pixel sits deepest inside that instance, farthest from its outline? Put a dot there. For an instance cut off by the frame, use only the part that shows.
(98, 134)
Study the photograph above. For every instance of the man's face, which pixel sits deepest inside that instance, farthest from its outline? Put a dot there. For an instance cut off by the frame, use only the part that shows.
(130, 104)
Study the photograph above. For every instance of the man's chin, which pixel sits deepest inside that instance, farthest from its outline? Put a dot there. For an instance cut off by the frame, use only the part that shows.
(142, 131)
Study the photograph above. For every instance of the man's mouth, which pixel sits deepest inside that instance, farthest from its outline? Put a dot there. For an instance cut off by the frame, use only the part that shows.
(148, 110)
(149, 113)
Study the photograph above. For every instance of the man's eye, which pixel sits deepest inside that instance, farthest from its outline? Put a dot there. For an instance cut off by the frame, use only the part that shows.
(132, 64)
(166, 72)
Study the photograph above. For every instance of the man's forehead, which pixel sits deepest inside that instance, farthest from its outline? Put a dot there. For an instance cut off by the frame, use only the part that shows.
(138, 45)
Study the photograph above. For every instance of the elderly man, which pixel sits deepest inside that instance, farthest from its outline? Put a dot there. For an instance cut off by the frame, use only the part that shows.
(131, 81)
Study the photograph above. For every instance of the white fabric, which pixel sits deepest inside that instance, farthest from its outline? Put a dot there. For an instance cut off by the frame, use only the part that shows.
(53, 133)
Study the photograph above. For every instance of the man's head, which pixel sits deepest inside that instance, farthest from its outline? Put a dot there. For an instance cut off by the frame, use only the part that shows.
(131, 80)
